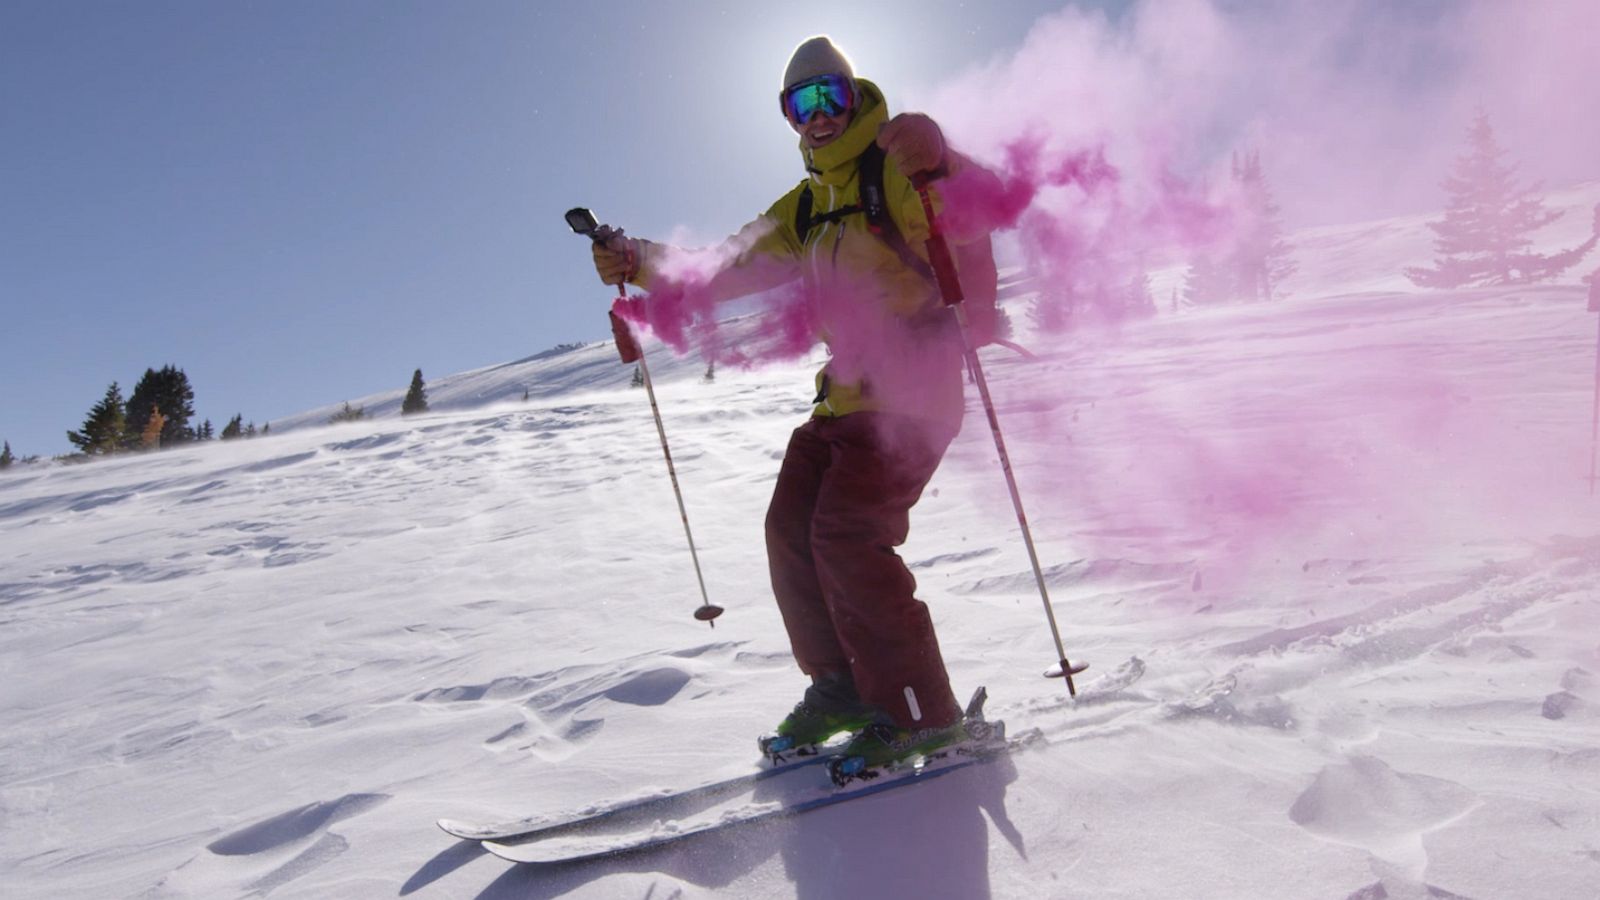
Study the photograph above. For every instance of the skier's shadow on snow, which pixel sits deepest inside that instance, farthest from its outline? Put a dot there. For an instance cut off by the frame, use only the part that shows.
(926, 840)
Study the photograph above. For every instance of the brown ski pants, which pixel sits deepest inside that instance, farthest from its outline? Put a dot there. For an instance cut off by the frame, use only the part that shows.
(841, 506)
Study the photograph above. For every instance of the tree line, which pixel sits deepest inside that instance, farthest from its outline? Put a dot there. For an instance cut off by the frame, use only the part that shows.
(160, 414)
(1485, 238)
(1254, 264)
(1250, 264)
(416, 401)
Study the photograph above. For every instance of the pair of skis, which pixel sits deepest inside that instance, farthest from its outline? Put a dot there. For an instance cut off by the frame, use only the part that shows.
(780, 790)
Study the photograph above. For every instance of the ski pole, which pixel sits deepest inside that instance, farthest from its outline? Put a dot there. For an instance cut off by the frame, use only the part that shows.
(583, 222)
(944, 270)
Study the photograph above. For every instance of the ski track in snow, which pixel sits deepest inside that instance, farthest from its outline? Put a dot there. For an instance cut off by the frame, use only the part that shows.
(264, 668)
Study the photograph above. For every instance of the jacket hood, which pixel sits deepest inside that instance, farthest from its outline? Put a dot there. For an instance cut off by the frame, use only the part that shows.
(835, 162)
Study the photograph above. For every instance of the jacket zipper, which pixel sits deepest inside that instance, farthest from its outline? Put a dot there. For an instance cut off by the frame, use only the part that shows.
(816, 247)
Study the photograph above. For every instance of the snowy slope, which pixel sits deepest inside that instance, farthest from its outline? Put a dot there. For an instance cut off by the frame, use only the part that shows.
(1334, 564)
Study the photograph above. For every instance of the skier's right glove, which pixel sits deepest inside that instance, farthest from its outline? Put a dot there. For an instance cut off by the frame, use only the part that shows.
(616, 256)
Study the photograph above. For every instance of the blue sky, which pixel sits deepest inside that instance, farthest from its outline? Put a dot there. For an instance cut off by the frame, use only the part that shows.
(300, 203)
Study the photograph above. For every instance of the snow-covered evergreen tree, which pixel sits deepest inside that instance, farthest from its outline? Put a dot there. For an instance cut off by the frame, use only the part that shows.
(1260, 259)
(1137, 298)
(1050, 311)
(1487, 230)
(1206, 283)
(6, 459)
(1254, 261)
(1003, 329)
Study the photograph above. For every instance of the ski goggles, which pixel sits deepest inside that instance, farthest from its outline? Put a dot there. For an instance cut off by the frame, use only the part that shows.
(830, 95)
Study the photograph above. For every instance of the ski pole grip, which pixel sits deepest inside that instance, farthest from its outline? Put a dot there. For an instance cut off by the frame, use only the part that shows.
(944, 265)
(627, 346)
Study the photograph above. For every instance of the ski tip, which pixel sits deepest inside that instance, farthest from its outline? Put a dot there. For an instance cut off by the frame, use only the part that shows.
(456, 829)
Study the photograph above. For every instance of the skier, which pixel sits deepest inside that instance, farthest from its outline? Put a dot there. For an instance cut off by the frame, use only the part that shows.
(888, 403)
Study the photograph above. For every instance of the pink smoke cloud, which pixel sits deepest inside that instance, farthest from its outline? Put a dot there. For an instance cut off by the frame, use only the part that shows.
(1111, 139)
(1358, 109)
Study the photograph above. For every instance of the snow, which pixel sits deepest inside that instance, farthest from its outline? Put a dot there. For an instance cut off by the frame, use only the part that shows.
(1333, 561)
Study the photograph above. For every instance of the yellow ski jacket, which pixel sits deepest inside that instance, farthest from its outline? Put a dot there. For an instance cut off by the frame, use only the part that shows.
(854, 279)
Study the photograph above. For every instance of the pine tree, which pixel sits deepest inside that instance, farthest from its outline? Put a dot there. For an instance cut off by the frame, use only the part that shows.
(1488, 225)
(206, 432)
(1206, 283)
(1003, 329)
(1260, 258)
(348, 413)
(638, 377)
(169, 390)
(711, 372)
(250, 430)
(1137, 299)
(104, 428)
(234, 428)
(266, 429)
(1050, 311)
(6, 459)
(416, 397)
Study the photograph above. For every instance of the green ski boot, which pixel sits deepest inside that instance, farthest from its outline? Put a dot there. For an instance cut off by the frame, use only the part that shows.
(882, 746)
(831, 707)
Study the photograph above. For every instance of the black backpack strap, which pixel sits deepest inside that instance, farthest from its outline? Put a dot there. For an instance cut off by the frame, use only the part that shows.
(804, 221)
(869, 168)
(802, 215)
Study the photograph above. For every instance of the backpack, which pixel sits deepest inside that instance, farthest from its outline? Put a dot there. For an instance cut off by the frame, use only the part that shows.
(979, 276)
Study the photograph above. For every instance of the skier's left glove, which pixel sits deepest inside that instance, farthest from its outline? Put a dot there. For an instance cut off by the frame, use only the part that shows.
(914, 143)
(616, 256)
